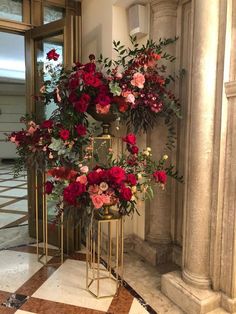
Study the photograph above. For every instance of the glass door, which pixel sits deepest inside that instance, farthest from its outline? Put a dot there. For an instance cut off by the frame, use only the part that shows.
(39, 41)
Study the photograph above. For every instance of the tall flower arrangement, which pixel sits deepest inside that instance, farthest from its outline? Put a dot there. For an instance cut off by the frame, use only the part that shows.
(133, 88)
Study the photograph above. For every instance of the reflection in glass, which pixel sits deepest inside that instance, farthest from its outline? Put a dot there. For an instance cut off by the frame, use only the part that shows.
(11, 10)
(43, 47)
(51, 14)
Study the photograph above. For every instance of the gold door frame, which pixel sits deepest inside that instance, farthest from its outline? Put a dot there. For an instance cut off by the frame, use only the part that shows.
(32, 29)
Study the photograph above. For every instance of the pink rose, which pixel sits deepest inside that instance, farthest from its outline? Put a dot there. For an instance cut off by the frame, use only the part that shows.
(84, 169)
(97, 200)
(93, 189)
(130, 98)
(138, 80)
(82, 179)
(102, 109)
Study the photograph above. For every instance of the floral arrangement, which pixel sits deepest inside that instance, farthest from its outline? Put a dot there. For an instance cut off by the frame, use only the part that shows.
(133, 88)
(121, 182)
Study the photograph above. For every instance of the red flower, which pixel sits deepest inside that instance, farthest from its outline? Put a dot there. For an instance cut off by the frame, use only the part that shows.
(134, 149)
(64, 134)
(117, 175)
(72, 191)
(103, 100)
(93, 177)
(81, 130)
(131, 179)
(90, 67)
(81, 106)
(160, 176)
(52, 55)
(49, 187)
(130, 139)
(73, 97)
(91, 80)
(123, 107)
(47, 124)
(126, 193)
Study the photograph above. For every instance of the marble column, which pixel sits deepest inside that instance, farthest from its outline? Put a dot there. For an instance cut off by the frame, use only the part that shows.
(186, 291)
(163, 26)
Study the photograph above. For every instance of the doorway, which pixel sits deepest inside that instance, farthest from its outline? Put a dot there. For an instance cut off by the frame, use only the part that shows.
(13, 191)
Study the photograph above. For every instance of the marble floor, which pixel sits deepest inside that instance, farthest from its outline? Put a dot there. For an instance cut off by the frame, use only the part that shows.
(13, 198)
(27, 286)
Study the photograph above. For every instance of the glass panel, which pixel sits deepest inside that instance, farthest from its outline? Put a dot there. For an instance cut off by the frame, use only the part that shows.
(51, 14)
(42, 48)
(11, 10)
(12, 56)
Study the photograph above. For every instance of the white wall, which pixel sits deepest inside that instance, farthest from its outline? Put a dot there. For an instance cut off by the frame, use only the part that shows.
(102, 23)
(12, 107)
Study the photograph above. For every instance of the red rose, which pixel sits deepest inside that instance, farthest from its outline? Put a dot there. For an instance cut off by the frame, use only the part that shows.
(103, 99)
(117, 175)
(130, 139)
(91, 80)
(73, 97)
(72, 191)
(160, 176)
(81, 106)
(73, 83)
(47, 124)
(90, 67)
(126, 193)
(93, 177)
(49, 187)
(131, 179)
(123, 107)
(85, 97)
(81, 130)
(52, 55)
(134, 149)
(64, 134)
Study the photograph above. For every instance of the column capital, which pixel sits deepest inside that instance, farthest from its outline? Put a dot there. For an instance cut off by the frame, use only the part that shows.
(164, 7)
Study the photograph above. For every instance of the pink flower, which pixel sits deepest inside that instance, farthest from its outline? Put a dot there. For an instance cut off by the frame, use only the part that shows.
(102, 109)
(32, 129)
(84, 169)
(138, 80)
(93, 189)
(106, 199)
(82, 179)
(97, 200)
(130, 98)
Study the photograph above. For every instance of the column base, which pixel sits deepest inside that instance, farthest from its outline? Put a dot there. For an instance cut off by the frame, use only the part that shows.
(153, 253)
(228, 304)
(191, 300)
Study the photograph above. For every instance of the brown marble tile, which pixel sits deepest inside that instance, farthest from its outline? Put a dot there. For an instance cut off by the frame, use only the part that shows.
(17, 222)
(40, 306)
(78, 256)
(33, 250)
(3, 296)
(31, 285)
(6, 310)
(121, 303)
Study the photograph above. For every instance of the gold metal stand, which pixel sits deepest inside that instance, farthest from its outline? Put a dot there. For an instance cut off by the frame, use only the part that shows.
(42, 224)
(104, 265)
